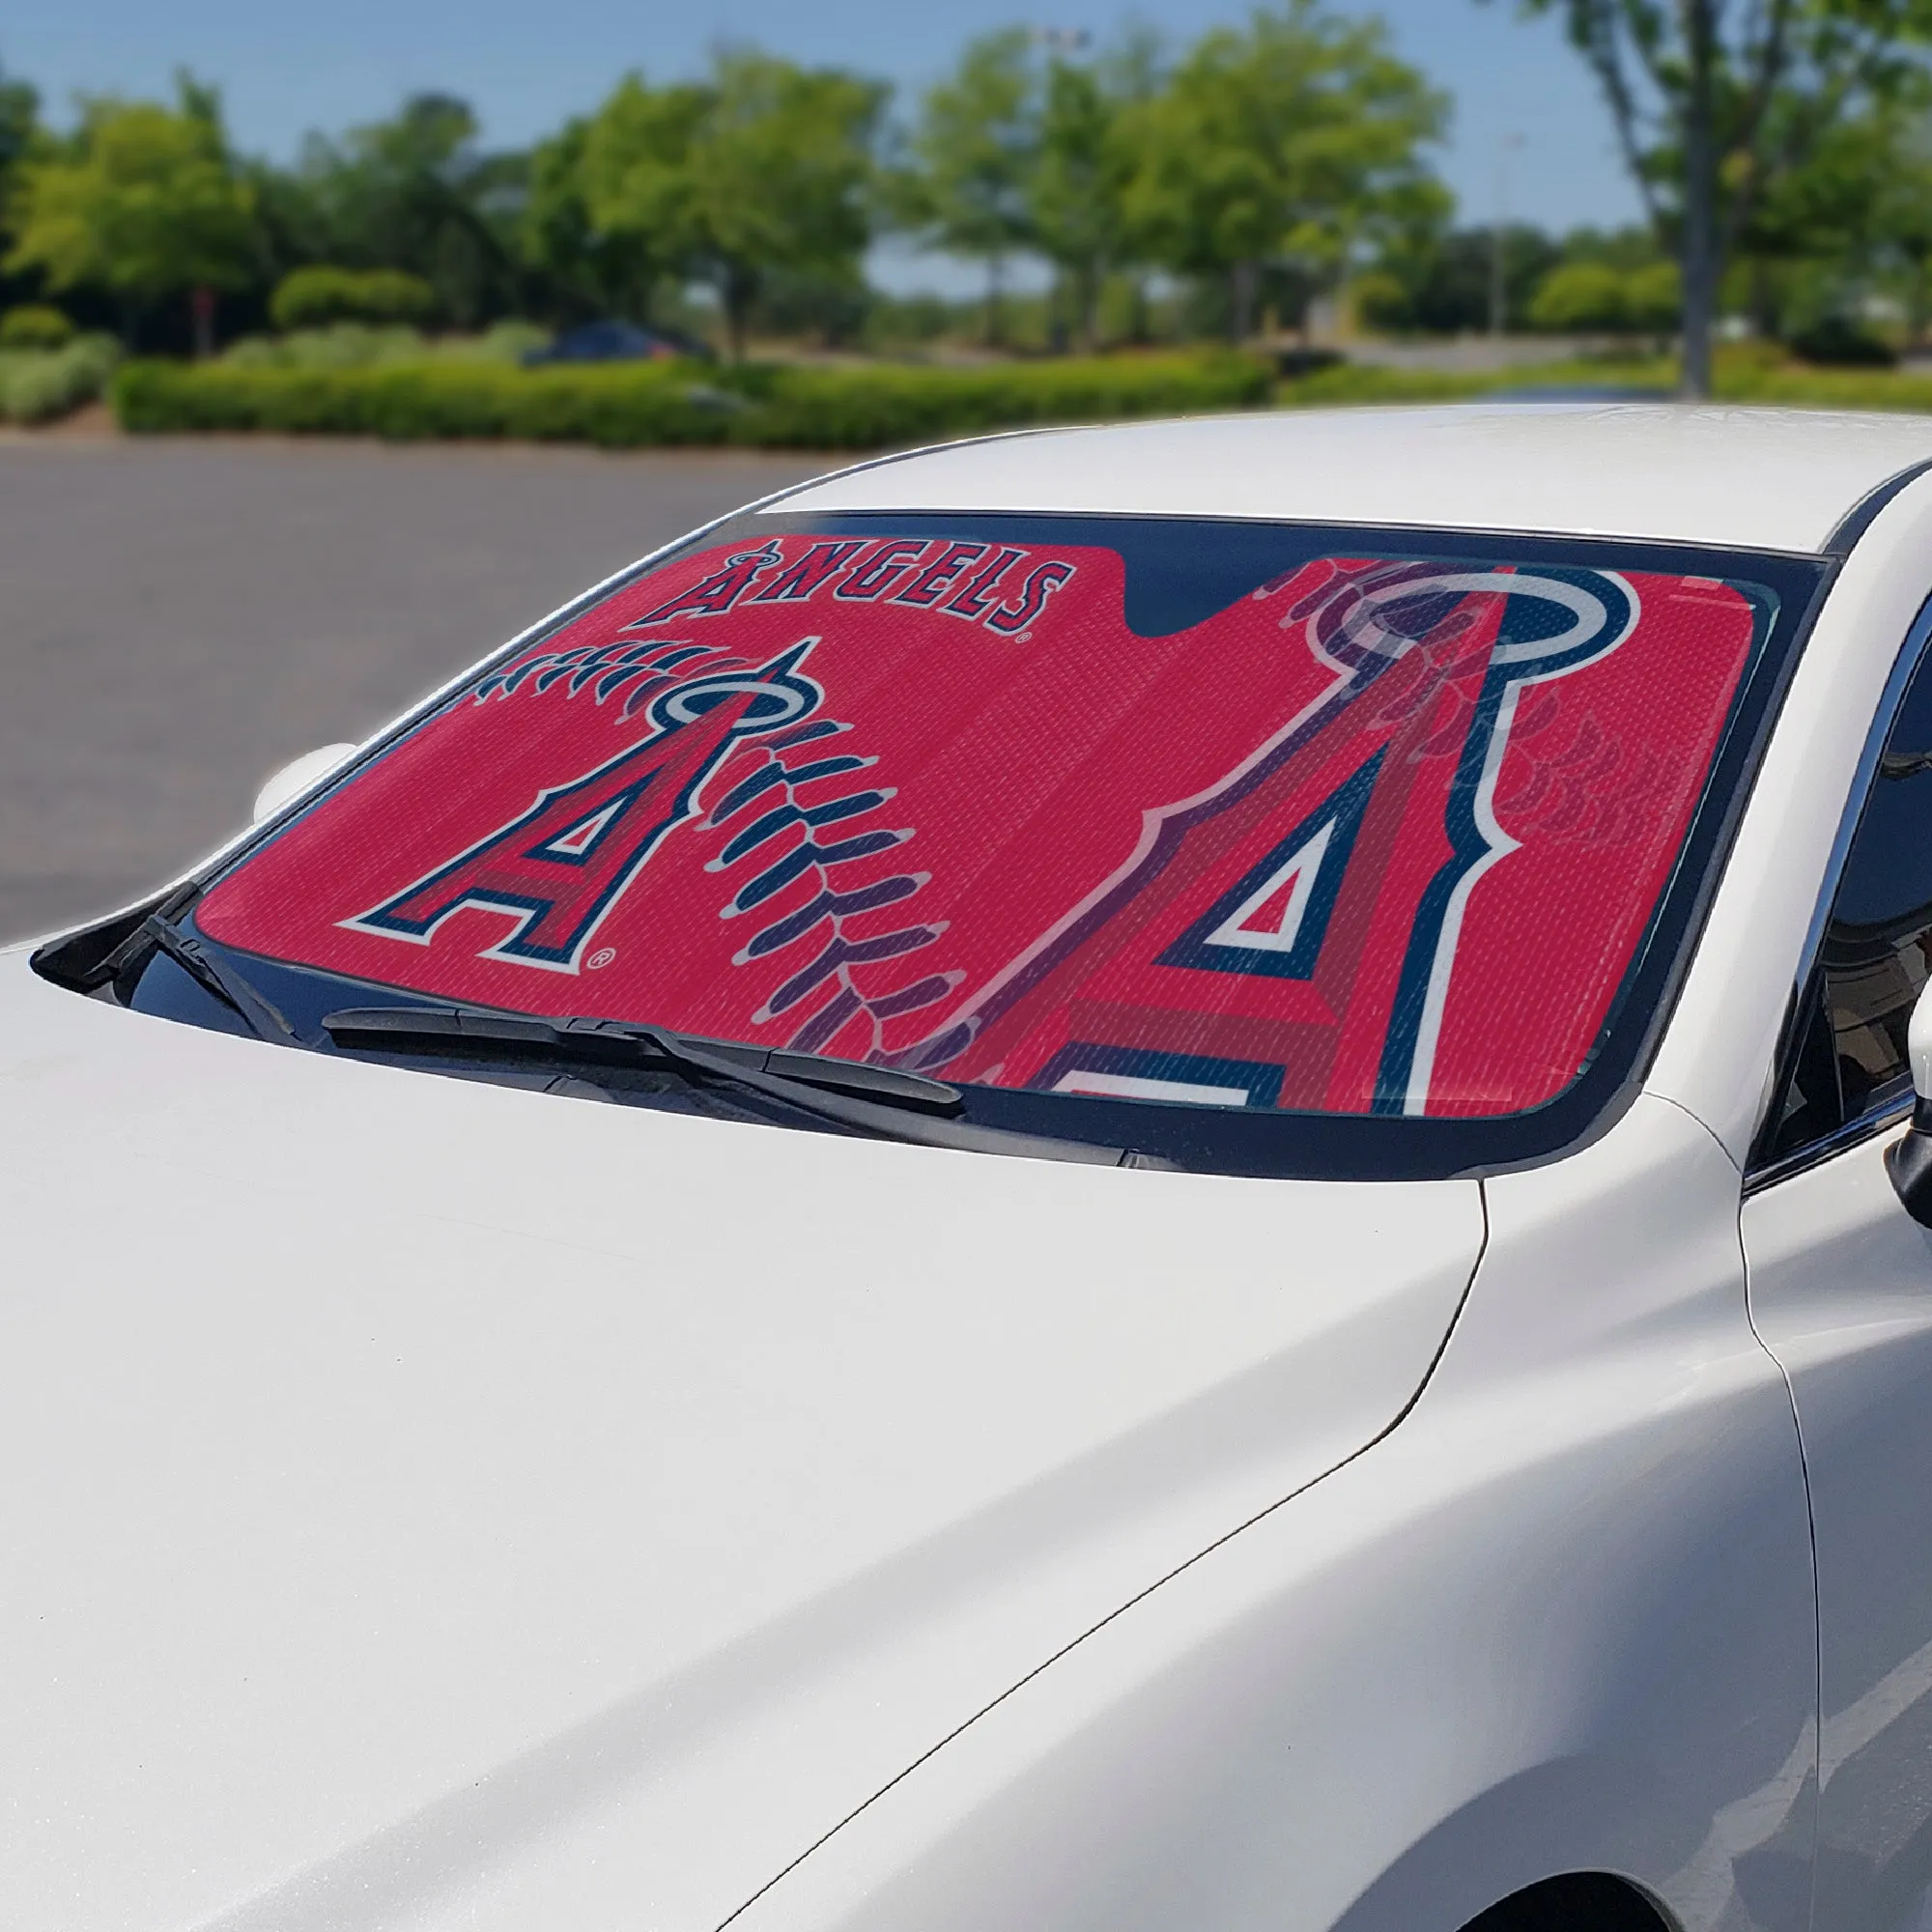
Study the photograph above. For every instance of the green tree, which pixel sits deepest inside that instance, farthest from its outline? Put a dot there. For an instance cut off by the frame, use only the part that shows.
(765, 169)
(1809, 234)
(1445, 275)
(1898, 217)
(1581, 296)
(1854, 218)
(1713, 108)
(21, 134)
(144, 200)
(584, 269)
(1654, 298)
(1082, 218)
(781, 176)
(20, 123)
(620, 192)
(417, 192)
(973, 153)
(1295, 137)
(1383, 299)
(1076, 193)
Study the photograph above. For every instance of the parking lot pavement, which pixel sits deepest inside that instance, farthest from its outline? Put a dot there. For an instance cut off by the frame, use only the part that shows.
(179, 618)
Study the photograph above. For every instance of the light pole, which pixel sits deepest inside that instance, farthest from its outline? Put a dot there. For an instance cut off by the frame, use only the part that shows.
(1498, 237)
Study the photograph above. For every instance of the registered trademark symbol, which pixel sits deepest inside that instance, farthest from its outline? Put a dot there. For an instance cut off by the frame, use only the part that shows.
(601, 958)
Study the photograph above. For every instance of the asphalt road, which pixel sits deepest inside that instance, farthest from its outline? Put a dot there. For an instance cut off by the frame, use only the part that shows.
(177, 619)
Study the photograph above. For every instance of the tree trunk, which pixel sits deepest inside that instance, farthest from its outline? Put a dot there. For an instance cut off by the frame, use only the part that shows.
(1763, 302)
(1242, 313)
(1701, 267)
(201, 307)
(738, 292)
(996, 270)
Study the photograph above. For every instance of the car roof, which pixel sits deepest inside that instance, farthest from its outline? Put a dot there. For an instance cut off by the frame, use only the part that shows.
(1767, 479)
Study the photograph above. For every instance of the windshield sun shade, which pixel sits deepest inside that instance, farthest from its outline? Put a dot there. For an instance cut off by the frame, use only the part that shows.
(1242, 817)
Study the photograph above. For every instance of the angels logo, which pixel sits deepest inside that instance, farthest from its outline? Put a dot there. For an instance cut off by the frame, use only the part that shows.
(560, 866)
(1429, 666)
(994, 585)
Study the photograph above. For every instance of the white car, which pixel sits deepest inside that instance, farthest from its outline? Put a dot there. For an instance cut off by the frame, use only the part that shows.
(1121, 1180)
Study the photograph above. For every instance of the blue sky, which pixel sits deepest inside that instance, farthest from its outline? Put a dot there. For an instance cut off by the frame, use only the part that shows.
(524, 63)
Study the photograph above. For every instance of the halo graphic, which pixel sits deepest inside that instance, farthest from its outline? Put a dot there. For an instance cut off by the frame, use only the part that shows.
(778, 695)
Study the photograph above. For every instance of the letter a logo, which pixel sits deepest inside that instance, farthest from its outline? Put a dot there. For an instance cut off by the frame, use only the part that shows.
(558, 869)
(1272, 919)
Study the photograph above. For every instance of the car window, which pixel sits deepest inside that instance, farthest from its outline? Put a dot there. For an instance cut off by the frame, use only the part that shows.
(1077, 813)
(1848, 1055)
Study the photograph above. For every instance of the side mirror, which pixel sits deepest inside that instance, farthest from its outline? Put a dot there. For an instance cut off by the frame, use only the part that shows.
(294, 778)
(1909, 1161)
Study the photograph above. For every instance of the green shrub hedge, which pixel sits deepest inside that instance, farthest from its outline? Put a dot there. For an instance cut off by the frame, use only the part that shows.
(886, 404)
(419, 401)
(40, 385)
(358, 345)
(35, 325)
(1746, 373)
(313, 298)
(1353, 382)
(1829, 388)
(634, 405)
(470, 392)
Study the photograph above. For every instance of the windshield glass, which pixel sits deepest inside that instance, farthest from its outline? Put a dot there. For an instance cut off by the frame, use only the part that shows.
(1214, 816)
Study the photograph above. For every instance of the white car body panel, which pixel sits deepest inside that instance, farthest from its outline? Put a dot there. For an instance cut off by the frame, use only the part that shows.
(458, 1506)
(1841, 1292)
(1446, 1670)
(513, 1491)
(1768, 479)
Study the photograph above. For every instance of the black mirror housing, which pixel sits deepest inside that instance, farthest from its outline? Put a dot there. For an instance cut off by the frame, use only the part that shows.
(1909, 1162)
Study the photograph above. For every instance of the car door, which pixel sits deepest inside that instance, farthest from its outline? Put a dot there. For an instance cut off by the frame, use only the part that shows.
(1841, 1286)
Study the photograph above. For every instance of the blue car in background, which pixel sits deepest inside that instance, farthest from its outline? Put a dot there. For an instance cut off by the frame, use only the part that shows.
(613, 341)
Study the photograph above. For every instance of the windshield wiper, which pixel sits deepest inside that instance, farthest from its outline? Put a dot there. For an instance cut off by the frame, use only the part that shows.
(213, 976)
(880, 1101)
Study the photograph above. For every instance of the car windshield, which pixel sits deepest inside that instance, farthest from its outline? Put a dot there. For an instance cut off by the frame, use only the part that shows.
(1150, 820)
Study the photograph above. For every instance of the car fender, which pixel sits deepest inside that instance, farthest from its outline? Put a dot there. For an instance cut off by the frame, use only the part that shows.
(1560, 1618)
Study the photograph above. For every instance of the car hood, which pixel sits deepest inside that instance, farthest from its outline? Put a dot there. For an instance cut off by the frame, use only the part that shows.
(434, 1504)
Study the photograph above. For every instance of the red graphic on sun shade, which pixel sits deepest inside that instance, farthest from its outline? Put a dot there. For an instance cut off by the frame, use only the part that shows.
(1379, 837)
